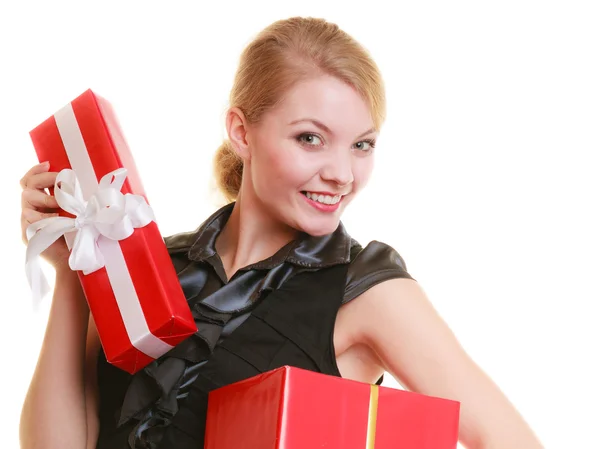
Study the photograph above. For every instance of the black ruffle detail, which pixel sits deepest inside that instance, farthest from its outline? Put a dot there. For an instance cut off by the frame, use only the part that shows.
(153, 393)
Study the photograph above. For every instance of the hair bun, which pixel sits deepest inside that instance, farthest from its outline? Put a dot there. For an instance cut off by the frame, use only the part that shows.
(228, 168)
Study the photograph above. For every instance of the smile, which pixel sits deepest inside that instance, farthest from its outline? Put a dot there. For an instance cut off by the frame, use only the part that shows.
(323, 199)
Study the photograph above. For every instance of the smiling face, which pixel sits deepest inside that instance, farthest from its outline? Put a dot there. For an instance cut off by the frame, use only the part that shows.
(308, 157)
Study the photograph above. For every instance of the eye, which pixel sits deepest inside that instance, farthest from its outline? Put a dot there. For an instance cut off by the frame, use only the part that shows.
(365, 145)
(309, 139)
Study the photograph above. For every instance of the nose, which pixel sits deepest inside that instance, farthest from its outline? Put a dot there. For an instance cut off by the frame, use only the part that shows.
(338, 168)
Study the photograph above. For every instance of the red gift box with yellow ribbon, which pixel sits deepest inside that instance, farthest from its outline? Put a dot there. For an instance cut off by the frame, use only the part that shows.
(291, 408)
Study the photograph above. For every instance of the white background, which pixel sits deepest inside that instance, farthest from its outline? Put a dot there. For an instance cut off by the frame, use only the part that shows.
(486, 179)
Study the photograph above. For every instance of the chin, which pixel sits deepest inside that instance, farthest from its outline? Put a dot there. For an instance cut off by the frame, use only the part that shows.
(319, 230)
(320, 224)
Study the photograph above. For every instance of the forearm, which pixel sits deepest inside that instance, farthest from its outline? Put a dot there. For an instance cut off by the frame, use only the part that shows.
(54, 411)
(503, 427)
(521, 437)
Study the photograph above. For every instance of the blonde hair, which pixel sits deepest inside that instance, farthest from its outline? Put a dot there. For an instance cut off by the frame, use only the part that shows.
(281, 55)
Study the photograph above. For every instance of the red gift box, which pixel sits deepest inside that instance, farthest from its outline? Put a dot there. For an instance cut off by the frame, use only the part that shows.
(291, 408)
(136, 300)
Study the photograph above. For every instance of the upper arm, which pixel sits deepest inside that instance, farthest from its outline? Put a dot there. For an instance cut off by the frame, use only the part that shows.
(418, 348)
(91, 383)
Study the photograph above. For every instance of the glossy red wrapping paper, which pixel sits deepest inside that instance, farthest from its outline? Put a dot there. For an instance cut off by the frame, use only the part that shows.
(291, 408)
(165, 310)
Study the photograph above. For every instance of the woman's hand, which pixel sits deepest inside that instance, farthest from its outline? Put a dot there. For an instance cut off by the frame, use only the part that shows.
(37, 204)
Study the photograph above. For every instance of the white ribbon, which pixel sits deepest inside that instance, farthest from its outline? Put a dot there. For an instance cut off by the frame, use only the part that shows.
(103, 216)
(107, 213)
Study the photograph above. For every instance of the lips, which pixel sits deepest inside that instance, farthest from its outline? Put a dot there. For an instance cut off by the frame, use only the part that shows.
(328, 200)
(325, 193)
(322, 203)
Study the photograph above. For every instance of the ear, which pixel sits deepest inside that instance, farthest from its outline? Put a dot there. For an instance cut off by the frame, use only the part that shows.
(237, 130)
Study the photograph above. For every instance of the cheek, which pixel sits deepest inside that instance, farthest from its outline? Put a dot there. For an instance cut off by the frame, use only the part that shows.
(272, 170)
(362, 170)
(284, 165)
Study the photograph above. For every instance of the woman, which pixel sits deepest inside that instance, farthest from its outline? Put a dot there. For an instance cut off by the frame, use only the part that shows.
(272, 278)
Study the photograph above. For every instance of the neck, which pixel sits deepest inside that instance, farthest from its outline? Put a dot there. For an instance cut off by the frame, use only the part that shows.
(250, 235)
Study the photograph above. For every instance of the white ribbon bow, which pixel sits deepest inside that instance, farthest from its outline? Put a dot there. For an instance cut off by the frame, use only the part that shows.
(107, 213)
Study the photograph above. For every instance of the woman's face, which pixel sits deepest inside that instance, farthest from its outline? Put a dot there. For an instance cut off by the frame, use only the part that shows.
(311, 155)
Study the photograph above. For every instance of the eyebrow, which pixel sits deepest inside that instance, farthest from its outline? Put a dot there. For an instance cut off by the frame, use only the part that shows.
(323, 127)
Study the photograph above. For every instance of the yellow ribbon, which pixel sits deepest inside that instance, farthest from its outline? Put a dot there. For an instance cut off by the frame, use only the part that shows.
(372, 421)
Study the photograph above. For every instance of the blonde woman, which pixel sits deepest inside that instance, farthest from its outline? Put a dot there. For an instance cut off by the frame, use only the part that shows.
(272, 278)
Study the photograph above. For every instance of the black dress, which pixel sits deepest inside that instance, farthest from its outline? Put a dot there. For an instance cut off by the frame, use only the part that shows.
(280, 311)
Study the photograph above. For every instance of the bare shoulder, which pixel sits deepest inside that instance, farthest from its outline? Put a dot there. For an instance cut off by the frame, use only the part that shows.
(410, 340)
(358, 318)
(398, 322)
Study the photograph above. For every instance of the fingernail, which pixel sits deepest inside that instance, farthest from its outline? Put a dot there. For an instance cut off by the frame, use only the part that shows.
(45, 164)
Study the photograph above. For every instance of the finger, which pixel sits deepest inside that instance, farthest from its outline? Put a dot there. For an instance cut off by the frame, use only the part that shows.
(30, 216)
(37, 199)
(39, 168)
(41, 181)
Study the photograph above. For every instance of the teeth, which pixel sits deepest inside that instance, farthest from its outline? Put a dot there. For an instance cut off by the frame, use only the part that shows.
(325, 199)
